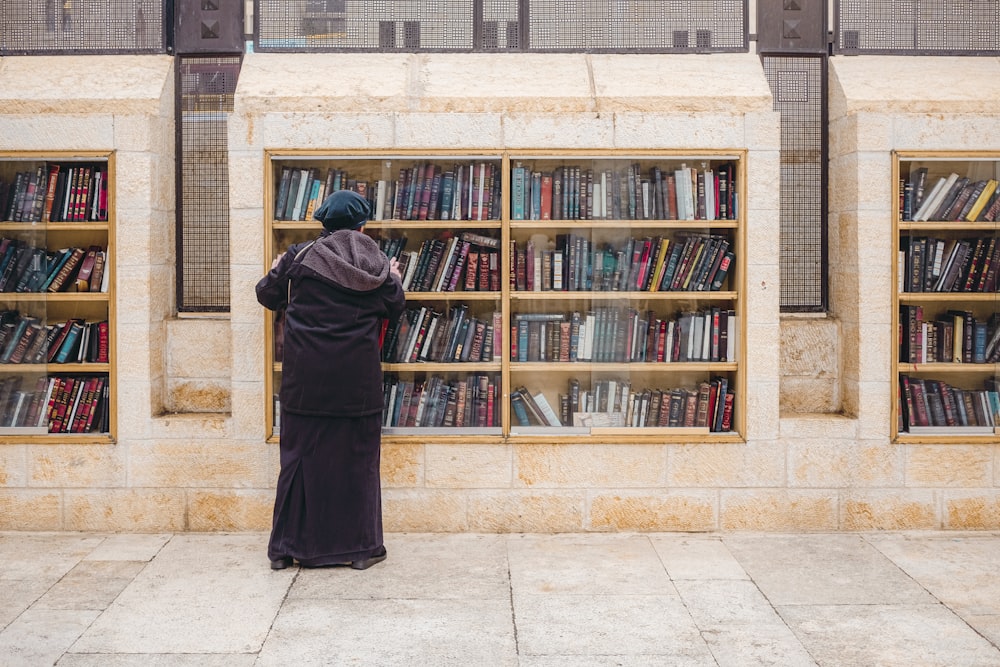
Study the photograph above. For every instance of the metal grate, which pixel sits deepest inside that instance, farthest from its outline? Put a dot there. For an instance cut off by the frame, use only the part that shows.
(945, 27)
(491, 25)
(638, 25)
(798, 86)
(82, 26)
(206, 90)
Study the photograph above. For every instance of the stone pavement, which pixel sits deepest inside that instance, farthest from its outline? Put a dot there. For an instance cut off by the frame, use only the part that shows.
(88, 600)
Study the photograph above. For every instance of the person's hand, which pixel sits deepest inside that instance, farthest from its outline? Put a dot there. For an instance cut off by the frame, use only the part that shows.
(394, 268)
(276, 260)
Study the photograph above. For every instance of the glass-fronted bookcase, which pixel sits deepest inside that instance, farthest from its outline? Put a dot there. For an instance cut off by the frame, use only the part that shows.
(551, 295)
(947, 319)
(57, 319)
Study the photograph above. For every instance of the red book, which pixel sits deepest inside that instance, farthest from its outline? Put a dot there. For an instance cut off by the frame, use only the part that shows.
(546, 197)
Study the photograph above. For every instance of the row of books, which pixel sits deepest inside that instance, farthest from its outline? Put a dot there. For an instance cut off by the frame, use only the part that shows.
(426, 334)
(615, 334)
(28, 340)
(926, 402)
(955, 336)
(467, 262)
(614, 403)
(28, 268)
(685, 262)
(56, 192)
(427, 191)
(469, 402)
(60, 403)
(572, 192)
(952, 198)
(929, 264)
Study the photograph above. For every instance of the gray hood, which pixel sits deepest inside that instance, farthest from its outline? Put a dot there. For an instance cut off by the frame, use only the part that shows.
(348, 259)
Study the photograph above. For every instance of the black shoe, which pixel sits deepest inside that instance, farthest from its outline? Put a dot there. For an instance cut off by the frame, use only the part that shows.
(377, 557)
(281, 563)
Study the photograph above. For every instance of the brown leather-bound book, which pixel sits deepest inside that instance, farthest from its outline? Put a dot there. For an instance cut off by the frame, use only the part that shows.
(86, 271)
(68, 270)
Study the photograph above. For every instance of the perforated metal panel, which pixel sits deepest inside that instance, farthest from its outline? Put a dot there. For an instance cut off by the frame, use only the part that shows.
(206, 89)
(798, 86)
(82, 26)
(963, 27)
(638, 25)
(489, 25)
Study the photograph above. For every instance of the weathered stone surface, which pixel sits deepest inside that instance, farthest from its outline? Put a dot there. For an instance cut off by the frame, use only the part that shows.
(666, 511)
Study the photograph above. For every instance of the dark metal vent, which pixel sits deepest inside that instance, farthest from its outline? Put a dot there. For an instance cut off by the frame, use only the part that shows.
(502, 25)
(798, 86)
(29, 27)
(206, 90)
(918, 27)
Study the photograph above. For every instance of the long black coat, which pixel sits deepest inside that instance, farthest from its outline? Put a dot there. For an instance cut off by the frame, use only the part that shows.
(341, 289)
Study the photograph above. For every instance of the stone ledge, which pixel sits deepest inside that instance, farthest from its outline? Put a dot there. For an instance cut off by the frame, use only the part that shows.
(84, 85)
(193, 425)
(924, 84)
(501, 83)
(818, 425)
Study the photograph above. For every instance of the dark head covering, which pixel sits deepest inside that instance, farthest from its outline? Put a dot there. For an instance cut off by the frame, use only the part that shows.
(344, 209)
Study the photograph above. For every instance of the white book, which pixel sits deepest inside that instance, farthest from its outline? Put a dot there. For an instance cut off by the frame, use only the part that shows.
(668, 347)
(694, 340)
(380, 192)
(106, 276)
(709, 194)
(448, 263)
(425, 347)
(937, 195)
(588, 342)
(557, 270)
(300, 196)
(706, 338)
(732, 322)
(43, 414)
(543, 404)
(414, 332)
(387, 417)
(481, 208)
(411, 268)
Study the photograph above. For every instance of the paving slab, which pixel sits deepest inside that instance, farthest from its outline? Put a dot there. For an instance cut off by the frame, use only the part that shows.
(201, 594)
(158, 660)
(391, 632)
(587, 564)
(420, 567)
(619, 625)
(525, 600)
(46, 556)
(823, 569)
(929, 635)
(92, 584)
(963, 572)
(697, 557)
(129, 546)
(41, 636)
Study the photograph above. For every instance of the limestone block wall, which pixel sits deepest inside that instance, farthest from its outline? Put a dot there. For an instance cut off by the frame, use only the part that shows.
(810, 365)
(191, 452)
(198, 362)
(99, 103)
(878, 105)
(446, 101)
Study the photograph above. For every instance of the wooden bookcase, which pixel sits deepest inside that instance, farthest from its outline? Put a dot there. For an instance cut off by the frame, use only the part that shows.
(531, 331)
(53, 389)
(946, 311)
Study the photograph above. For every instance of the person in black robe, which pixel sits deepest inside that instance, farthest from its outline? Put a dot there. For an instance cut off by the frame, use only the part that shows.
(336, 292)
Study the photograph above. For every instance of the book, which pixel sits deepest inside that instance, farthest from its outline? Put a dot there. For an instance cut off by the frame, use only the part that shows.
(67, 270)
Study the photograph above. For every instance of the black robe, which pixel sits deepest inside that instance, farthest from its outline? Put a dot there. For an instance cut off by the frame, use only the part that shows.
(327, 506)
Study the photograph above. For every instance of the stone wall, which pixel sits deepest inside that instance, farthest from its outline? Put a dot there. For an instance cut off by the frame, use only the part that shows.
(878, 105)
(173, 468)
